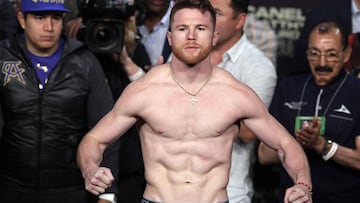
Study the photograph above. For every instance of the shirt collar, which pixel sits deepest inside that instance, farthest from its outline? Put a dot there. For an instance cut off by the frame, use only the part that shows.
(235, 51)
(166, 18)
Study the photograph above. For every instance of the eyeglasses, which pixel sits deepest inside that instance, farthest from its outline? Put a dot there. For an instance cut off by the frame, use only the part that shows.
(330, 56)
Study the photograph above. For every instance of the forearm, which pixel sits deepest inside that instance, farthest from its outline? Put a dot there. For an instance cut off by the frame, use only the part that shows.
(347, 157)
(97, 179)
(330, 150)
(295, 162)
(130, 67)
(89, 154)
(132, 70)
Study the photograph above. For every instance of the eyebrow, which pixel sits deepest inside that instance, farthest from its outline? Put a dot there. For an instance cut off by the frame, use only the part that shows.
(314, 48)
(217, 10)
(197, 25)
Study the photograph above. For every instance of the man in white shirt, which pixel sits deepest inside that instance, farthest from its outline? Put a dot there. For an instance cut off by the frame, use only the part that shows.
(235, 53)
(154, 28)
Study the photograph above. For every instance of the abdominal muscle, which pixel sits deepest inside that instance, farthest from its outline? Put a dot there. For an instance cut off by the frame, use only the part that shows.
(186, 168)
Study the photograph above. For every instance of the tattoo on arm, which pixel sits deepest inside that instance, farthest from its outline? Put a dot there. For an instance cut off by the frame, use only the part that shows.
(283, 158)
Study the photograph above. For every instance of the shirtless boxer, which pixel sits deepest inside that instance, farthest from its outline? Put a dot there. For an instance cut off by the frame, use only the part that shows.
(188, 112)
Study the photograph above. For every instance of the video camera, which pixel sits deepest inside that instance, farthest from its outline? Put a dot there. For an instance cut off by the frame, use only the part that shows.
(103, 30)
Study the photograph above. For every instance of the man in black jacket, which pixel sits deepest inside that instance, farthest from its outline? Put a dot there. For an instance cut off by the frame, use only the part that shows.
(53, 91)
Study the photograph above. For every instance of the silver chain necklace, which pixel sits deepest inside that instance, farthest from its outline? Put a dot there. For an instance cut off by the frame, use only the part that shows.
(193, 99)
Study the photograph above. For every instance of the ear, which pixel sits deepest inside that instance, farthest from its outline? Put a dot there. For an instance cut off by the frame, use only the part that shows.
(241, 18)
(347, 53)
(21, 19)
(216, 36)
(168, 35)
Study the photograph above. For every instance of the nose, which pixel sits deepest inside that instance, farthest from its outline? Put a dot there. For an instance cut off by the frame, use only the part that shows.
(48, 25)
(323, 60)
(191, 34)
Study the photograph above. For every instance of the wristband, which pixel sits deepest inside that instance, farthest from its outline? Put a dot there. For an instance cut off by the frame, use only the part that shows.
(109, 197)
(137, 75)
(332, 151)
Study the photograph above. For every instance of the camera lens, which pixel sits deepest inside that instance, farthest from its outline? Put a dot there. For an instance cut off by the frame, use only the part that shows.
(104, 34)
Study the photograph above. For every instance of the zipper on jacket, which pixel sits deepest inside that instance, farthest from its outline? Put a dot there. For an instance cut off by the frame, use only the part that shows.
(39, 136)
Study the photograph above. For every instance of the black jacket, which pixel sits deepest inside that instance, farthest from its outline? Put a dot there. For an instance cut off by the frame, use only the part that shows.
(42, 129)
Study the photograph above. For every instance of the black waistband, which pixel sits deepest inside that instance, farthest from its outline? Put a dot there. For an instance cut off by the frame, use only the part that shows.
(148, 201)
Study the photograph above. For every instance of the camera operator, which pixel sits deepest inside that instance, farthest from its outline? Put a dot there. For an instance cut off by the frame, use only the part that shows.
(133, 55)
(121, 66)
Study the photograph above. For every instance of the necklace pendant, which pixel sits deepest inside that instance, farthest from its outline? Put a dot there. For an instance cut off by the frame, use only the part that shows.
(193, 100)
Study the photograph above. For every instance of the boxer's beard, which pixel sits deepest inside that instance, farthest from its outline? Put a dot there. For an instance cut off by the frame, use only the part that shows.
(323, 69)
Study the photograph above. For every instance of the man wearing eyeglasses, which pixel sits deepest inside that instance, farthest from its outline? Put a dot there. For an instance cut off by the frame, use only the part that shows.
(321, 109)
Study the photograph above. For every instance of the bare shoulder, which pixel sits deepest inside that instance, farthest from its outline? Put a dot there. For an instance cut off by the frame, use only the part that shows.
(222, 76)
(156, 76)
(238, 94)
(137, 93)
